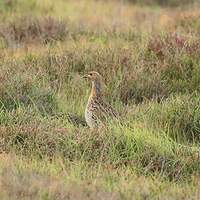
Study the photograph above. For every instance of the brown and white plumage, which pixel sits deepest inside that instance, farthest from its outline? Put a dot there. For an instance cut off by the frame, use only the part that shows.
(97, 111)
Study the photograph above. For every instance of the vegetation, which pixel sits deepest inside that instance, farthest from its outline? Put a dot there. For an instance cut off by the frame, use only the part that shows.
(149, 59)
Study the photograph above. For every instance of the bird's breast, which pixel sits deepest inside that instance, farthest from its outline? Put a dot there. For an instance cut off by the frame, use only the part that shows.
(89, 116)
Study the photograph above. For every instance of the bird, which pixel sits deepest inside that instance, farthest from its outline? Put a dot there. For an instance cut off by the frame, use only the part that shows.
(97, 111)
(76, 120)
(73, 118)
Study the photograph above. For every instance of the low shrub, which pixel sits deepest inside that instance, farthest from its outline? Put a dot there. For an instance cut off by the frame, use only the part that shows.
(19, 87)
(171, 3)
(115, 146)
(30, 29)
(179, 116)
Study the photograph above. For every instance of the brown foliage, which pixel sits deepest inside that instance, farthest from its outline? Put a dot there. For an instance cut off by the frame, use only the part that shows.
(30, 29)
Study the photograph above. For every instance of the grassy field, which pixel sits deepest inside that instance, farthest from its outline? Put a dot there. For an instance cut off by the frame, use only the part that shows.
(149, 57)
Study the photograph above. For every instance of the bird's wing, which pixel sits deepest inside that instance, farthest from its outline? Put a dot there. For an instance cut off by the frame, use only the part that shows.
(104, 111)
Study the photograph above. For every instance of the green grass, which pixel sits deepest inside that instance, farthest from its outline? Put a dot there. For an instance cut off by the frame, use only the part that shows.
(149, 60)
(22, 178)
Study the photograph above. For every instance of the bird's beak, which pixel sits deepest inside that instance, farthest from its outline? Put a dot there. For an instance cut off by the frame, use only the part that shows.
(86, 76)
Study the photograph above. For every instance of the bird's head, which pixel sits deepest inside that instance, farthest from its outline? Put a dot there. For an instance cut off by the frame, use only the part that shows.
(93, 76)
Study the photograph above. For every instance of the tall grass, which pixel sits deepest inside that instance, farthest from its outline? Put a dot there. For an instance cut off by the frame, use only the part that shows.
(149, 60)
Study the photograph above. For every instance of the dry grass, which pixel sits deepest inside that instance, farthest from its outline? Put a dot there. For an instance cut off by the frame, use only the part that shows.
(149, 59)
(31, 29)
(32, 179)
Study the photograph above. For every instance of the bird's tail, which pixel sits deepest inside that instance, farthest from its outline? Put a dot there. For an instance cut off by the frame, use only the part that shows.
(74, 119)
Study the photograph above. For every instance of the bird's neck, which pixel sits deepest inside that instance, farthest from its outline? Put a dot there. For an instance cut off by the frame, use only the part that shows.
(96, 89)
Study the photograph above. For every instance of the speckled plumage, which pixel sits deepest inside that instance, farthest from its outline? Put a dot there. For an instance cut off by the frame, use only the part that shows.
(97, 111)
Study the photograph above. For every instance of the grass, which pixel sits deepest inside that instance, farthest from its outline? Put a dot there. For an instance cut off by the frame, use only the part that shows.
(44, 179)
(148, 56)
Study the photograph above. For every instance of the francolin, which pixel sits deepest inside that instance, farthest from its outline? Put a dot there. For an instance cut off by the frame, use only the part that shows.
(97, 111)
